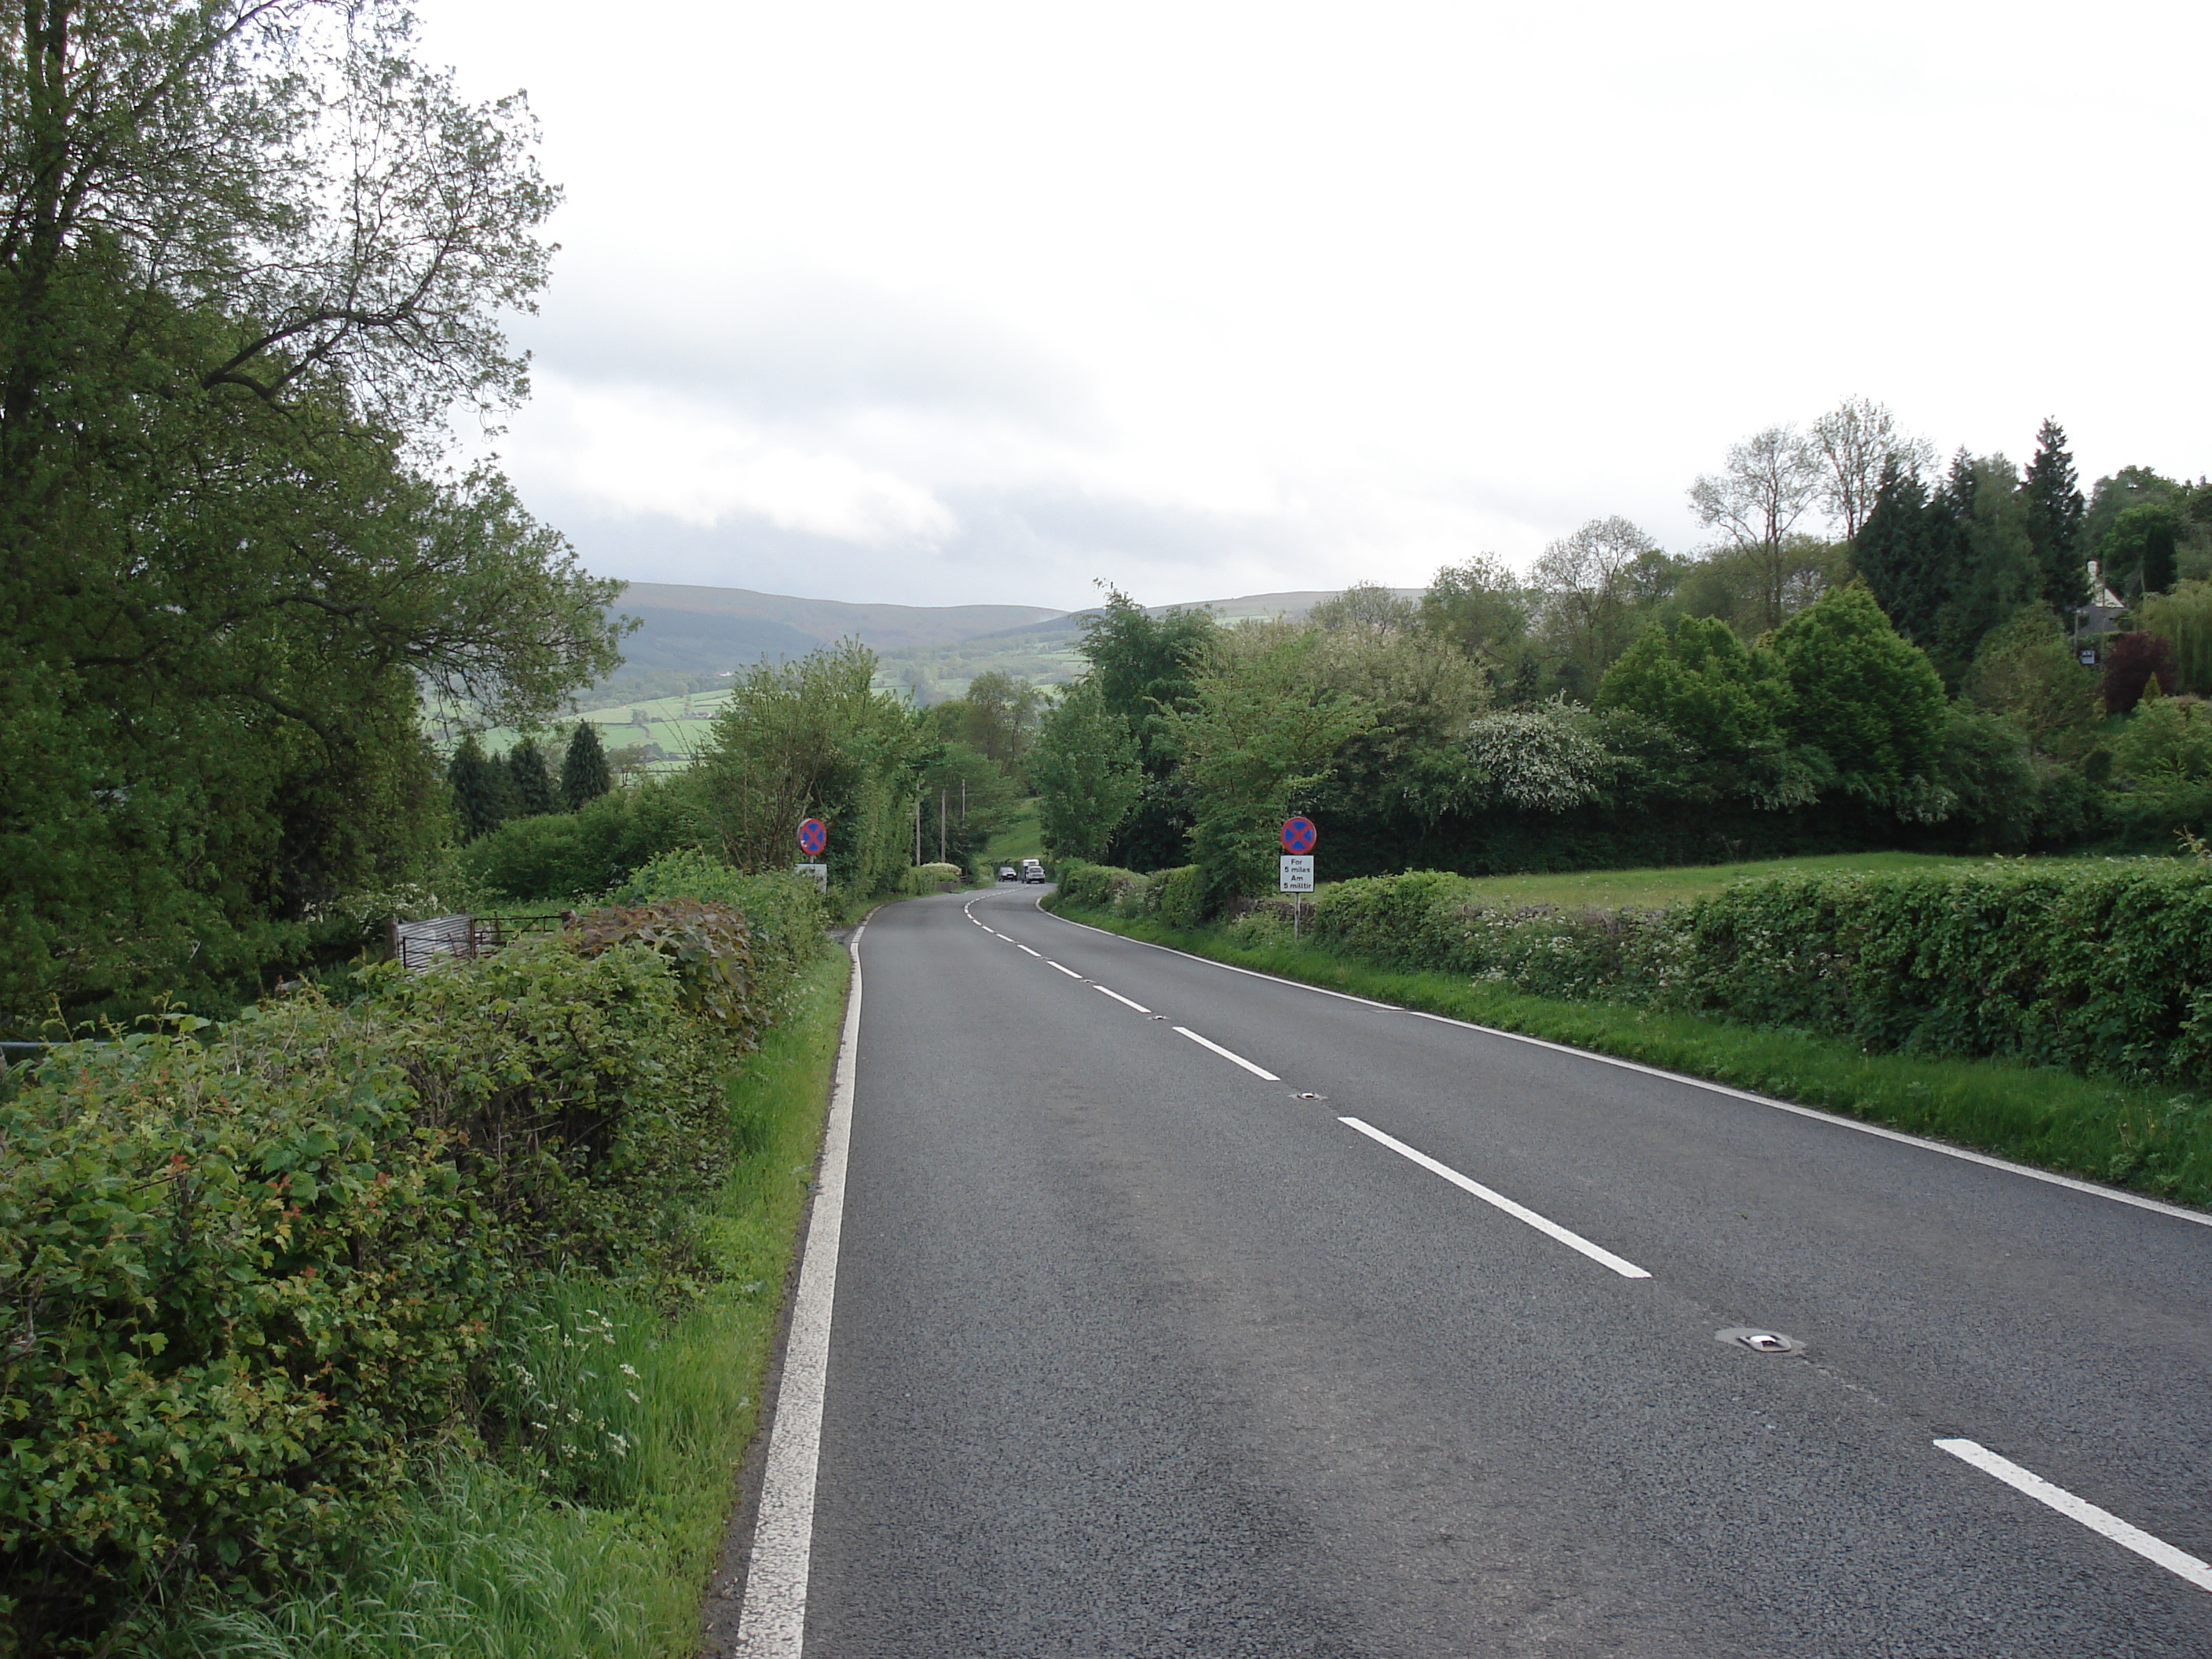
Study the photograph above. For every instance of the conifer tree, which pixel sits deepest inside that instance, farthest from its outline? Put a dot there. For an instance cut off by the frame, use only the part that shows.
(1906, 551)
(533, 786)
(2056, 511)
(475, 789)
(584, 774)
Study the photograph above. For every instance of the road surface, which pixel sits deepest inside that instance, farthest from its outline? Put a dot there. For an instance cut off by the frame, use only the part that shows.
(1179, 1311)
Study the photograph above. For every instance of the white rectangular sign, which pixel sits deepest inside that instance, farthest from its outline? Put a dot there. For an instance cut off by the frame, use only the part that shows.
(1297, 872)
(819, 871)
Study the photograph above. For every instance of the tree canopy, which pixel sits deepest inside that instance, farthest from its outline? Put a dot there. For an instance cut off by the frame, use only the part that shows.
(251, 257)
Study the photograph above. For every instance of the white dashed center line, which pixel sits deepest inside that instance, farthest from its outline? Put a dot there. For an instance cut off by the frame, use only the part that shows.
(1257, 1071)
(1123, 1000)
(1070, 972)
(2179, 1562)
(1604, 1257)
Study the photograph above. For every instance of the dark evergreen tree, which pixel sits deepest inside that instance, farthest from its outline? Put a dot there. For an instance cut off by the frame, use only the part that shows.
(476, 786)
(2055, 513)
(533, 786)
(1906, 552)
(584, 774)
(1994, 572)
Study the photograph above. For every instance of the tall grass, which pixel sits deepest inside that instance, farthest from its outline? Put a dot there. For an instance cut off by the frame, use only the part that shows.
(2156, 1140)
(585, 1520)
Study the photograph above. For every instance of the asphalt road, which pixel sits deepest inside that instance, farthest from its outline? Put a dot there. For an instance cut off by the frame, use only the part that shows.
(1134, 1350)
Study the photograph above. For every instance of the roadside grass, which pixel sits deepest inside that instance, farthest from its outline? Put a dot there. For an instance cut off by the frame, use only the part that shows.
(1615, 889)
(595, 1534)
(2154, 1140)
(1022, 838)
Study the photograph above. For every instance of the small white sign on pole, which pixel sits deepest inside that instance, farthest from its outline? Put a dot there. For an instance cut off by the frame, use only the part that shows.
(819, 871)
(1297, 872)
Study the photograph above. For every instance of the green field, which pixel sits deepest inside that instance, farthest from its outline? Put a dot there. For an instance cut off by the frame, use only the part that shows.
(1618, 889)
(1022, 839)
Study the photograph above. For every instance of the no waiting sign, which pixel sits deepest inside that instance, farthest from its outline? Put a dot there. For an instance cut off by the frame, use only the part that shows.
(1299, 835)
(813, 836)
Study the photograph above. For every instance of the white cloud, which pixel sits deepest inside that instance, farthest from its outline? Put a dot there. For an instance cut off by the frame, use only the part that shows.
(647, 453)
(1208, 295)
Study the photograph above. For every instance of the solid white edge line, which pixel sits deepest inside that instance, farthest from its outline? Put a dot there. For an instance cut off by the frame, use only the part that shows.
(1835, 1119)
(1125, 1001)
(1257, 1071)
(1070, 972)
(1573, 1241)
(2179, 1562)
(772, 1623)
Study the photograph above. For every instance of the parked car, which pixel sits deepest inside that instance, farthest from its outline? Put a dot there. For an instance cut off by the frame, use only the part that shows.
(1007, 872)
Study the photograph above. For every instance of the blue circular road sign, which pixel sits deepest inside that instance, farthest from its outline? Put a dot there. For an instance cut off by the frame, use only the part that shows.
(1299, 835)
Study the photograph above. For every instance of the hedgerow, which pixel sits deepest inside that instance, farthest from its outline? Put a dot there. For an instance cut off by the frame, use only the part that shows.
(250, 1275)
(2102, 968)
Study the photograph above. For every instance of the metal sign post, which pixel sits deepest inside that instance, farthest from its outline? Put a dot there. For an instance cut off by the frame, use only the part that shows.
(1296, 867)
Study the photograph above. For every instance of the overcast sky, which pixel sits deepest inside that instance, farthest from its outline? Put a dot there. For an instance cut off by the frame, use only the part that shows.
(949, 303)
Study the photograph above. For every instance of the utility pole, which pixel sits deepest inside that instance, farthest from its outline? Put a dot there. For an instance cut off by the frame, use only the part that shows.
(940, 826)
(917, 830)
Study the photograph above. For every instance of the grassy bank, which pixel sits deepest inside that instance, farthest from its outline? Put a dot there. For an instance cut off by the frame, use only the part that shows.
(2154, 1140)
(595, 1536)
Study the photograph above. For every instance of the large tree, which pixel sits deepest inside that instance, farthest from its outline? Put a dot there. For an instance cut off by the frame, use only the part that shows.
(1855, 443)
(813, 738)
(251, 255)
(1590, 610)
(2055, 513)
(1145, 668)
(1771, 481)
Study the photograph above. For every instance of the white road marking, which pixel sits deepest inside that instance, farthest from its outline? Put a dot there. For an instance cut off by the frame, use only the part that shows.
(1257, 1071)
(1123, 1000)
(1070, 972)
(773, 1621)
(2179, 1562)
(2201, 1218)
(1604, 1257)
(1019, 945)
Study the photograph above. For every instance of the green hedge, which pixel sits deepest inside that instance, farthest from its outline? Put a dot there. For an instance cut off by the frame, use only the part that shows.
(559, 855)
(1177, 896)
(2102, 967)
(248, 1274)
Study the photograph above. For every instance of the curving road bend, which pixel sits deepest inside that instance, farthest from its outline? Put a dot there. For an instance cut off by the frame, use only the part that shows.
(1181, 1311)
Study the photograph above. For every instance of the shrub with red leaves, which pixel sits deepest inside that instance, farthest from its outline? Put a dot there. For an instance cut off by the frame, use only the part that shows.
(2129, 661)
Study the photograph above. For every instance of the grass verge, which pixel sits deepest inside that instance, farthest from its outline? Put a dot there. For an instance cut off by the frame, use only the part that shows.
(595, 1534)
(2153, 1139)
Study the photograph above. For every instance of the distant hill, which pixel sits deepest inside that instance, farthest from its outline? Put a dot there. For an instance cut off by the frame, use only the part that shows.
(711, 629)
(692, 636)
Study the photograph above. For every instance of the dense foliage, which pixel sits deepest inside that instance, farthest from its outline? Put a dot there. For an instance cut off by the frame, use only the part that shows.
(251, 256)
(249, 1275)
(2102, 967)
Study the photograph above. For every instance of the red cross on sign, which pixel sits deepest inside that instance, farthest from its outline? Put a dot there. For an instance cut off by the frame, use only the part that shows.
(1299, 835)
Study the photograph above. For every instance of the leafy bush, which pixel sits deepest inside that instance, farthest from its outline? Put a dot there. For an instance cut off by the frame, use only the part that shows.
(1093, 886)
(560, 855)
(923, 879)
(248, 1275)
(785, 913)
(238, 1277)
(1180, 895)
